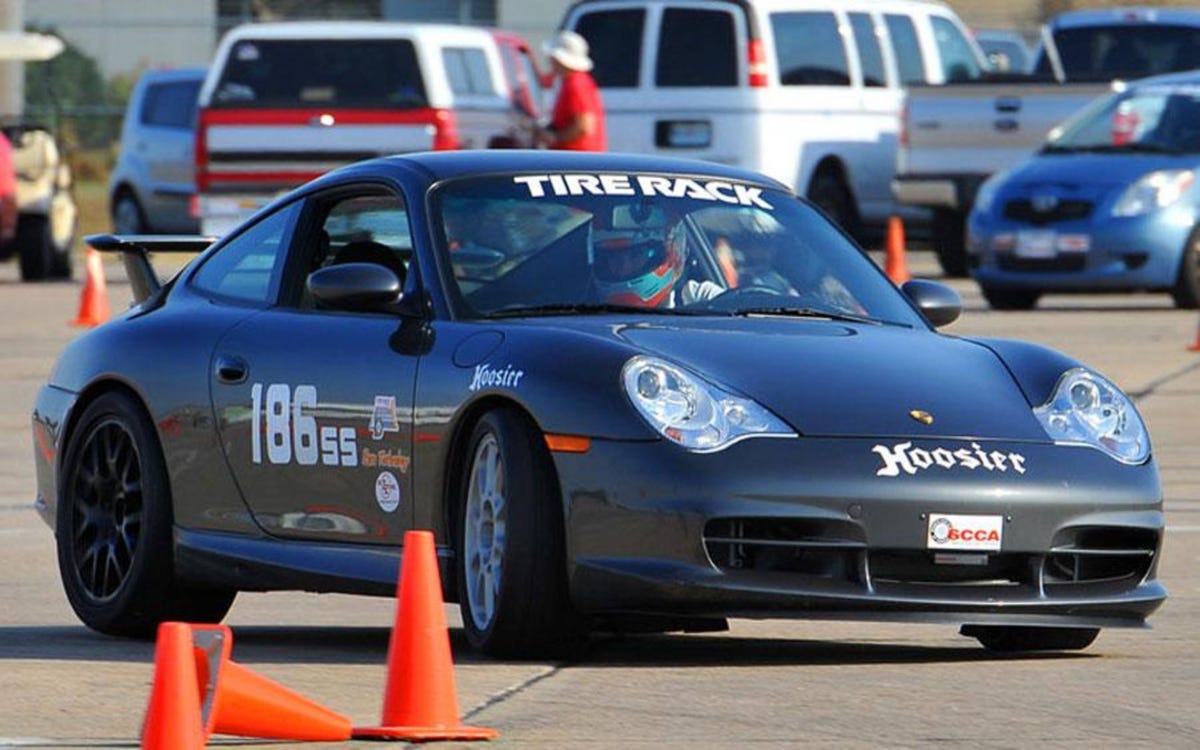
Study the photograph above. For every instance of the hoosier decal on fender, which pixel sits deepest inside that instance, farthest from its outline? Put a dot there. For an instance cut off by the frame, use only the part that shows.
(903, 457)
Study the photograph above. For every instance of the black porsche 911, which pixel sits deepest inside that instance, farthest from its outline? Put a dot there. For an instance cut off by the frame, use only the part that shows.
(623, 392)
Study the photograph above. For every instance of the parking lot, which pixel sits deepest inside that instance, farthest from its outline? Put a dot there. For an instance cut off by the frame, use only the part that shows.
(774, 683)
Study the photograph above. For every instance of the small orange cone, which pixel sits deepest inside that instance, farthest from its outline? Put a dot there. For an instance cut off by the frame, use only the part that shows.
(173, 715)
(419, 701)
(895, 264)
(237, 700)
(93, 301)
(1195, 345)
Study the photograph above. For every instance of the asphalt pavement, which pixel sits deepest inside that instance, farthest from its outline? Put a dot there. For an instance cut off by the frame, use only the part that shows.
(764, 683)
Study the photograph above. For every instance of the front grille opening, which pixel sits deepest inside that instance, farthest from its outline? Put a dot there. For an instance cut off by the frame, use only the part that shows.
(811, 547)
(920, 567)
(1100, 554)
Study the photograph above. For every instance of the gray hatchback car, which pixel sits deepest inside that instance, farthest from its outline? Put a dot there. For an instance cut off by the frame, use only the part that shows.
(152, 186)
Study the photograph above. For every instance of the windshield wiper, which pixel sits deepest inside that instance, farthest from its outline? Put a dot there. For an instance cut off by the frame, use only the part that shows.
(812, 312)
(580, 308)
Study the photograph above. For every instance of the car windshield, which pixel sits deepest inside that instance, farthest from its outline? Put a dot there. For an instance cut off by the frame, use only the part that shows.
(1147, 119)
(1128, 51)
(533, 244)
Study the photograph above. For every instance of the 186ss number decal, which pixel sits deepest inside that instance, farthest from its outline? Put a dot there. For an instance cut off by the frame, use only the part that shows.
(294, 434)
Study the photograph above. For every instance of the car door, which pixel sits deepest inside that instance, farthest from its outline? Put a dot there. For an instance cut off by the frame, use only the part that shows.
(321, 444)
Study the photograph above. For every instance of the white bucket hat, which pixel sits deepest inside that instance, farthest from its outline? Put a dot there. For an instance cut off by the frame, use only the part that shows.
(571, 51)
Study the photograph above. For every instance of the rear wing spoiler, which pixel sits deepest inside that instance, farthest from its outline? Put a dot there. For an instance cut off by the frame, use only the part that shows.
(135, 250)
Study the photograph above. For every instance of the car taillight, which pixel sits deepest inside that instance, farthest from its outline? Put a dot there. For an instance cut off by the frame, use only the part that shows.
(445, 135)
(757, 64)
(200, 152)
(902, 136)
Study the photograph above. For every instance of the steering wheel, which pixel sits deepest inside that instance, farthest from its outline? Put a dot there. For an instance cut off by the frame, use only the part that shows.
(738, 296)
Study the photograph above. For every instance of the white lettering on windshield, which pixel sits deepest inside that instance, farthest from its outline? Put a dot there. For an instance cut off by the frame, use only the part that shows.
(720, 191)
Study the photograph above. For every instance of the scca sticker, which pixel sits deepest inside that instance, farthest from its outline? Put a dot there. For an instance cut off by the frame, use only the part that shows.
(649, 185)
(903, 457)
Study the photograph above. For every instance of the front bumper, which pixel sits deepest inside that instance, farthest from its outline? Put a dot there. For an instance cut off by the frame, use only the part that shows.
(948, 191)
(1124, 254)
(806, 528)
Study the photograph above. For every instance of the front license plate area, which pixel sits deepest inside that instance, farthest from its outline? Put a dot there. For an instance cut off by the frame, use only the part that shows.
(962, 532)
(1036, 243)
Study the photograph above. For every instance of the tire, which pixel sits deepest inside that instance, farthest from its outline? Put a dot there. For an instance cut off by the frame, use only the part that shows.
(35, 246)
(832, 196)
(1010, 299)
(511, 558)
(127, 214)
(114, 524)
(949, 242)
(1186, 292)
(1016, 639)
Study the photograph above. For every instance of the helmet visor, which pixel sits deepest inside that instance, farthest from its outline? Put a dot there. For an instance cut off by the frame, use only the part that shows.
(623, 259)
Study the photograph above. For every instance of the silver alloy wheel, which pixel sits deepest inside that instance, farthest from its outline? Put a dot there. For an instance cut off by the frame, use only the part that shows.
(485, 531)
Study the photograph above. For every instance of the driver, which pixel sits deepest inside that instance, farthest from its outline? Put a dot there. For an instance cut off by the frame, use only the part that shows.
(645, 269)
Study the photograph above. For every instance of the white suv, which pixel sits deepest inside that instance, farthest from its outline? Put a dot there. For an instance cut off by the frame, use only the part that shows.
(806, 91)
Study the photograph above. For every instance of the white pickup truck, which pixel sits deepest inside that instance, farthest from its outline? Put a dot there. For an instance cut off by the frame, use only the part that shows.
(952, 137)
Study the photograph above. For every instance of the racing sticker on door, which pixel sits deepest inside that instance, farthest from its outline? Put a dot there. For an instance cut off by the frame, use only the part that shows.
(292, 433)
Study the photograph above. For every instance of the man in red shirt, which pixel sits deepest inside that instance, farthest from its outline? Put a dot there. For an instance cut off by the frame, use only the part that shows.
(578, 120)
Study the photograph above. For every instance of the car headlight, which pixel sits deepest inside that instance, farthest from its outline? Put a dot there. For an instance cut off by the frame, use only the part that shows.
(985, 196)
(693, 412)
(1155, 190)
(1086, 409)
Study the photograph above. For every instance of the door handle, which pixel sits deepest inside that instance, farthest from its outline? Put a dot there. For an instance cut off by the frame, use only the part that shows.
(231, 369)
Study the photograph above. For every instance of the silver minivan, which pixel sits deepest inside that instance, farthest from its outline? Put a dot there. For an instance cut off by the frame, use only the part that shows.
(152, 186)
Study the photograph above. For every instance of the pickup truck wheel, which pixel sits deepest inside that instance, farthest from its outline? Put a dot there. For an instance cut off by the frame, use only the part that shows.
(35, 246)
(949, 242)
(1010, 299)
(829, 193)
(1187, 283)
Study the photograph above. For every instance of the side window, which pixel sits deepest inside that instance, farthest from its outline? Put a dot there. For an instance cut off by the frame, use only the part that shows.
(614, 40)
(248, 267)
(696, 48)
(906, 49)
(958, 59)
(869, 54)
(809, 49)
(467, 70)
(363, 229)
(170, 105)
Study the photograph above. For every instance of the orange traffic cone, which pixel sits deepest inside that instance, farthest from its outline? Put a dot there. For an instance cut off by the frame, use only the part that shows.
(1195, 345)
(419, 701)
(895, 265)
(173, 715)
(93, 301)
(249, 705)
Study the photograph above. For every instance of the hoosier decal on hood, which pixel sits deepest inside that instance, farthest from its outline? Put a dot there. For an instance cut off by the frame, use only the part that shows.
(903, 457)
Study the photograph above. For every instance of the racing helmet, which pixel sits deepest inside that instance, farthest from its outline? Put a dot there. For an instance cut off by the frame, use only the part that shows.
(638, 268)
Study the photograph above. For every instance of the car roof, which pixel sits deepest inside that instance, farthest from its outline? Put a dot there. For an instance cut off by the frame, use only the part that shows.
(445, 165)
(1131, 14)
(354, 30)
(158, 75)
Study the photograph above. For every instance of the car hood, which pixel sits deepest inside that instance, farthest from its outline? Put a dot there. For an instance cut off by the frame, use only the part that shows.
(1092, 174)
(836, 379)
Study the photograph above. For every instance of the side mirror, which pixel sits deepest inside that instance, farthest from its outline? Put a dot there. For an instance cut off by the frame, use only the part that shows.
(940, 304)
(358, 287)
